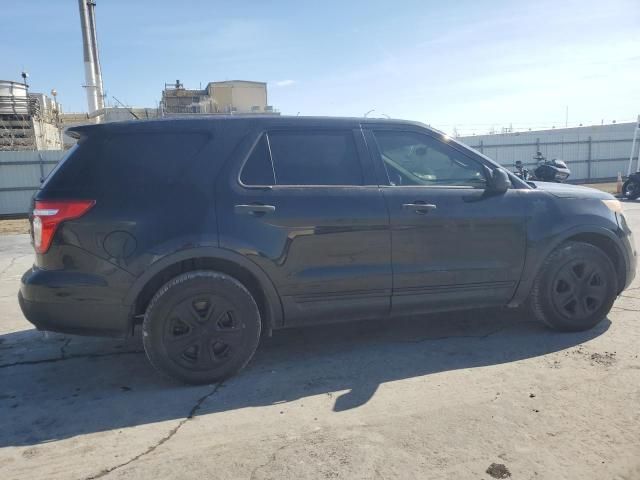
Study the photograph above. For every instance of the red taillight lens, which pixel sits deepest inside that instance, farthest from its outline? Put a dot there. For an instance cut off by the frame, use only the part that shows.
(48, 215)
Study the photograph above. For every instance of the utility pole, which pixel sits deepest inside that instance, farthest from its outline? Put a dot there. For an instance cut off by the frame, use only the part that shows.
(633, 147)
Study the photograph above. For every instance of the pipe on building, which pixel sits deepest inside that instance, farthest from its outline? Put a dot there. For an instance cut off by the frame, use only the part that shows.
(89, 60)
(91, 5)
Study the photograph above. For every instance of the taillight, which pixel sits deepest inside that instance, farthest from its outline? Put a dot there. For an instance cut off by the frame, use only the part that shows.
(48, 215)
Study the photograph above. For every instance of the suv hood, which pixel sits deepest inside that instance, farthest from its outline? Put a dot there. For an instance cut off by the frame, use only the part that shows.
(564, 190)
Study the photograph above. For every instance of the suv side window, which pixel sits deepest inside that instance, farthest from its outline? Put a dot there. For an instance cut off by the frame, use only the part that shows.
(128, 161)
(258, 169)
(315, 158)
(136, 159)
(416, 159)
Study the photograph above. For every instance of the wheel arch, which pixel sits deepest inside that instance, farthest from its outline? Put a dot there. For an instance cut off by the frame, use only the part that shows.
(598, 236)
(216, 259)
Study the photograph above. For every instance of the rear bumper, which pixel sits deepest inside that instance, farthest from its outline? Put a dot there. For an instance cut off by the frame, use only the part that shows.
(70, 302)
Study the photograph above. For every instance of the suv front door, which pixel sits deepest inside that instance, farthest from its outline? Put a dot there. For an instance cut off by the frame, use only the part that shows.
(304, 205)
(454, 244)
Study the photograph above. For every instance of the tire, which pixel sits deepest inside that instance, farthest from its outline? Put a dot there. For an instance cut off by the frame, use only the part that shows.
(201, 327)
(575, 288)
(631, 189)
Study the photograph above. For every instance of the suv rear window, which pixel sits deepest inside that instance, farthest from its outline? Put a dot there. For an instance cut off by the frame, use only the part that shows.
(127, 160)
(315, 158)
(154, 158)
(258, 170)
(304, 158)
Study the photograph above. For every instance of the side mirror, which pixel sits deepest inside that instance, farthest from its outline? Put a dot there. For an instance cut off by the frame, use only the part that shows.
(500, 181)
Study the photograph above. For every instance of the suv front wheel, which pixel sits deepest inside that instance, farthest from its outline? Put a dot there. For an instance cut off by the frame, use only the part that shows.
(575, 288)
(201, 327)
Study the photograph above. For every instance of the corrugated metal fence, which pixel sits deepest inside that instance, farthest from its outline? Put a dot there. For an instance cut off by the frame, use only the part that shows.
(592, 153)
(20, 175)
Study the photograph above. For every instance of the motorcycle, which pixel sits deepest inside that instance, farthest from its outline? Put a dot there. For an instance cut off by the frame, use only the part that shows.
(554, 170)
(631, 188)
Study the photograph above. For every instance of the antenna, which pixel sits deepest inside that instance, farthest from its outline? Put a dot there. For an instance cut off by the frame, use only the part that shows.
(128, 109)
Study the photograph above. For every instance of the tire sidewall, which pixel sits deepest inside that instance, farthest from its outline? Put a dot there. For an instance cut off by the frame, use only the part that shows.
(636, 191)
(541, 298)
(181, 288)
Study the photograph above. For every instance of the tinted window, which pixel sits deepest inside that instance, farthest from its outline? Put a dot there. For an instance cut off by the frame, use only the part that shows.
(66, 166)
(416, 159)
(158, 159)
(127, 161)
(258, 169)
(315, 158)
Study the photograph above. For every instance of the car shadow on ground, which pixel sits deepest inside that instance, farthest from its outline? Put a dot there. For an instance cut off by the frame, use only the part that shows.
(62, 387)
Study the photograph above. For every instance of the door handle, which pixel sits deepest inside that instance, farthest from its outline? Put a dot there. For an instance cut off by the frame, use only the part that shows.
(254, 209)
(418, 207)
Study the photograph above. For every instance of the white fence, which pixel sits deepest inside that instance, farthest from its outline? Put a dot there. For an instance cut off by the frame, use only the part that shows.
(592, 153)
(20, 176)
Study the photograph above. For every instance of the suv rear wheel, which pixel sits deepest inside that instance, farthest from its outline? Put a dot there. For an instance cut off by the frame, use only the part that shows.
(201, 327)
(575, 288)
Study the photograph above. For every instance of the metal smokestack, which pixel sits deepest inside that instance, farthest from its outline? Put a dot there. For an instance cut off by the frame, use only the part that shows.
(91, 6)
(89, 61)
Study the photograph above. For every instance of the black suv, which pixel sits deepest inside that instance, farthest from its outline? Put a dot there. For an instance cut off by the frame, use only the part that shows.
(212, 231)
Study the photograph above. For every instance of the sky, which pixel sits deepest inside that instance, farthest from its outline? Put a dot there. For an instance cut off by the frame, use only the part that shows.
(466, 65)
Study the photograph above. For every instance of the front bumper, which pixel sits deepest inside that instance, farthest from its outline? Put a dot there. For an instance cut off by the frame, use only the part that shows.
(70, 302)
(629, 249)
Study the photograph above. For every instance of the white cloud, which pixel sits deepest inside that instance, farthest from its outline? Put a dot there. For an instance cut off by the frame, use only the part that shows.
(285, 83)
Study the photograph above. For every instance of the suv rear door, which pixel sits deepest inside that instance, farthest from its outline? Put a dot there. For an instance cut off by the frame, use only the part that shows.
(304, 204)
(454, 245)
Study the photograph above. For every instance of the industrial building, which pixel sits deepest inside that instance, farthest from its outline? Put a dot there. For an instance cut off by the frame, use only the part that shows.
(35, 122)
(228, 97)
(596, 152)
(28, 121)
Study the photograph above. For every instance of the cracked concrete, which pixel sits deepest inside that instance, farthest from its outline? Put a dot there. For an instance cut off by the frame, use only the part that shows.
(11, 263)
(163, 440)
(68, 357)
(443, 397)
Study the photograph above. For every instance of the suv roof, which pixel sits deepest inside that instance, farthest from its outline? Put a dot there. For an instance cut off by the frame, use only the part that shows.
(199, 121)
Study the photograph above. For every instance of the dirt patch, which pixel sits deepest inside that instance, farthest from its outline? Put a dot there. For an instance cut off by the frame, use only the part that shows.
(607, 358)
(8, 227)
(498, 470)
